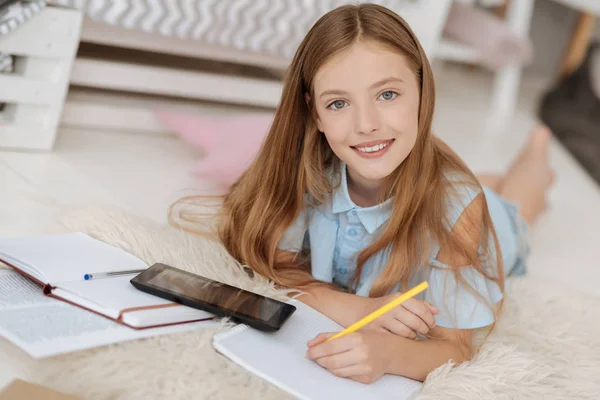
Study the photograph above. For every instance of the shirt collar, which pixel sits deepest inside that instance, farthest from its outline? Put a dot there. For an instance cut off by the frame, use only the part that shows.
(371, 217)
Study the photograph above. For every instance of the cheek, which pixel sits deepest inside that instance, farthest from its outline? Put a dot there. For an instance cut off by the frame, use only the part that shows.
(404, 117)
(337, 142)
(404, 120)
(337, 129)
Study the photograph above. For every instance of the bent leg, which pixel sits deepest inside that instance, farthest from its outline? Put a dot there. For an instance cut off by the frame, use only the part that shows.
(529, 178)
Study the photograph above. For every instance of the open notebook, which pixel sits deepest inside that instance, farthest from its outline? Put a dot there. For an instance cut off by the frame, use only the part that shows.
(279, 358)
(59, 262)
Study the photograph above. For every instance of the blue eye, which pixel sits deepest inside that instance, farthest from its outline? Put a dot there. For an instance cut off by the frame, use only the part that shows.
(388, 95)
(337, 105)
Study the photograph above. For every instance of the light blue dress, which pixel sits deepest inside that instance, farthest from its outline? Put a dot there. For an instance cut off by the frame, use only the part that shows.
(337, 230)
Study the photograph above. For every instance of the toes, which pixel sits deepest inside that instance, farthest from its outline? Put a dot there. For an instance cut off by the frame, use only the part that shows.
(540, 139)
(541, 132)
(540, 147)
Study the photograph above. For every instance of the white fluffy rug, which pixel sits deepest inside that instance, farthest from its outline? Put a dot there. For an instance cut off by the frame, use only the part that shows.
(546, 345)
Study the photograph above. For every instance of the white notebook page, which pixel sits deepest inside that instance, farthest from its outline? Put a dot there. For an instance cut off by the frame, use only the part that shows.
(279, 358)
(67, 257)
(43, 327)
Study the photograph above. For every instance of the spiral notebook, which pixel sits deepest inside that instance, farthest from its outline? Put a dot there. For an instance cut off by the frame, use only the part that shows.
(279, 358)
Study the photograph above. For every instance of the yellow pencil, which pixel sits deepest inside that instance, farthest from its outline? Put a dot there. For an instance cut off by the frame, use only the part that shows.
(378, 313)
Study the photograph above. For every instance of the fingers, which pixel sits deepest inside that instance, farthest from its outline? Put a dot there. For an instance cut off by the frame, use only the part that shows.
(434, 310)
(411, 320)
(362, 357)
(382, 329)
(420, 310)
(353, 364)
(356, 372)
(338, 361)
(320, 338)
(323, 348)
(399, 328)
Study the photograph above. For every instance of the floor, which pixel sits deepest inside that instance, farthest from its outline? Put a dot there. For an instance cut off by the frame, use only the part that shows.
(144, 174)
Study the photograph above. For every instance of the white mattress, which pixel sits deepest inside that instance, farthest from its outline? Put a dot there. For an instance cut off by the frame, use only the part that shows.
(274, 27)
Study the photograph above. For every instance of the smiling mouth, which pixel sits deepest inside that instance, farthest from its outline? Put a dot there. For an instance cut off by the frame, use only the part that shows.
(375, 148)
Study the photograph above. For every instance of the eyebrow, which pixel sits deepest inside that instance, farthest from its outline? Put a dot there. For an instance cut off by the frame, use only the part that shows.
(376, 84)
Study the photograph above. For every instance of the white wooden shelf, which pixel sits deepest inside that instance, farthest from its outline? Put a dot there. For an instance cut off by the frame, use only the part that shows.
(44, 49)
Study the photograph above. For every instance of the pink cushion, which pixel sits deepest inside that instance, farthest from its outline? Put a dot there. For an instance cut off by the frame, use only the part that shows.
(230, 142)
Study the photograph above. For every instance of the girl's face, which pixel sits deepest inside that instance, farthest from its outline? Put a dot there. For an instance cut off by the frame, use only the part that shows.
(367, 101)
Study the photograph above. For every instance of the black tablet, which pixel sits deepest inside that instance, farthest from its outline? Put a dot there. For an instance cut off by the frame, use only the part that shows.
(223, 300)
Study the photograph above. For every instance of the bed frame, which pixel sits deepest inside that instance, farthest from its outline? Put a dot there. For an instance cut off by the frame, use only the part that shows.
(174, 83)
(118, 75)
(181, 80)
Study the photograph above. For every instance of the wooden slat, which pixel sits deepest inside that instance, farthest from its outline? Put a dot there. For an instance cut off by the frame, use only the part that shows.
(52, 33)
(111, 117)
(14, 136)
(173, 82)
(36, 90)
(17, 89)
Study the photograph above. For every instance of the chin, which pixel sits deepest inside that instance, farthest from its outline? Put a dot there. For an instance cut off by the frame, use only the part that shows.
(377, 175)
(373, 172)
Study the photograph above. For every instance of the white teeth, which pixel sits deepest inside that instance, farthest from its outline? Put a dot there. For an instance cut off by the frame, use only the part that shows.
(372, 148)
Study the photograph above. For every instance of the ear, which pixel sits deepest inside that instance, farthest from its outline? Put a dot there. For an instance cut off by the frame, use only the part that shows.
(307, 98)
(318, 120)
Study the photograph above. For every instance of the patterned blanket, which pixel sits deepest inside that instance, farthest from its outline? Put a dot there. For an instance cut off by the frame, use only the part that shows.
(274, 27)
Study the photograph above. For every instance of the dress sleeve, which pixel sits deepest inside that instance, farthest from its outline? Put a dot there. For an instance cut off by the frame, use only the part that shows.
(465, 305)
(466, 298)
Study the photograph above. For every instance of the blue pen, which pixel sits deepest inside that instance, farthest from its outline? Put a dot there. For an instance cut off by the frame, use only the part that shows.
(98, 275)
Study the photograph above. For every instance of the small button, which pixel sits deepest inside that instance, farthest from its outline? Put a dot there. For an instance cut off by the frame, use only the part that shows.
(352, 232)
(352, 213)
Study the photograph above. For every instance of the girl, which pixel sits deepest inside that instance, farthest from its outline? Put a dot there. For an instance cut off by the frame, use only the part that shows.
(352, 200)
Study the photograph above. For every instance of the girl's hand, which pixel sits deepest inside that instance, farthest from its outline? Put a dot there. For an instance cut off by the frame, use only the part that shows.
(360, 356)
(411, 317)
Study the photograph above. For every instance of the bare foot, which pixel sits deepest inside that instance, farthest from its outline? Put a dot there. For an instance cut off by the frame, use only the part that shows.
(528, 179)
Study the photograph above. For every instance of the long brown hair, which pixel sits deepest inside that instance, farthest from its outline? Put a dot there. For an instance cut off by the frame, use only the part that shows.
(294, 162)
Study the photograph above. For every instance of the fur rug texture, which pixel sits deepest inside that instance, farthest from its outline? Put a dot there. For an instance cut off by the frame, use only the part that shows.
(545, 346)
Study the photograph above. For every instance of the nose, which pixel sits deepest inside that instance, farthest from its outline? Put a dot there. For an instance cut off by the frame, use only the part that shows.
(367, 119)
